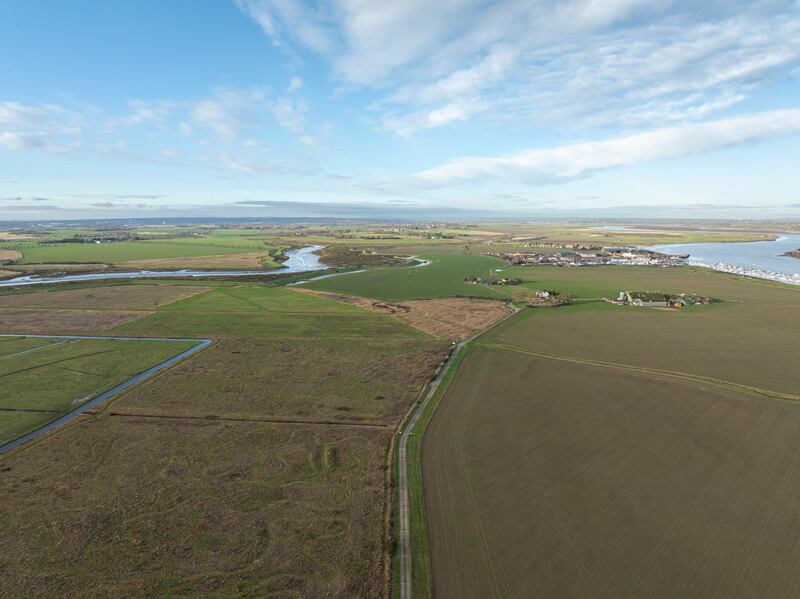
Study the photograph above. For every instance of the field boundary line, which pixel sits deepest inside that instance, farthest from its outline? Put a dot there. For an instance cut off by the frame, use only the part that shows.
(245, 419)
(110, 394)
(33, 349)
(72, 309)
(697, 378)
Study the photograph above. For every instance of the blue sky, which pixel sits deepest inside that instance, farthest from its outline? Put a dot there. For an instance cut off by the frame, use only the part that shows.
(281, 107)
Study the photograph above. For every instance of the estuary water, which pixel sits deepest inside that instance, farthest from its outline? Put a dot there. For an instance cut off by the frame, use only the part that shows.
(299, 260)
(762, 259)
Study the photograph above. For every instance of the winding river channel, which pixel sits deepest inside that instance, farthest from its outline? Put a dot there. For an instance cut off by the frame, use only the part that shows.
(299, 260)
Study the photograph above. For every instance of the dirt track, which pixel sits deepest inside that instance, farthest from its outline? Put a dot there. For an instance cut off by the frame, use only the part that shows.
(553, 479)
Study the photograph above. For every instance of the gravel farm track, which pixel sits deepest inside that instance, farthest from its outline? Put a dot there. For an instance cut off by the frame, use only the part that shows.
(404, 527)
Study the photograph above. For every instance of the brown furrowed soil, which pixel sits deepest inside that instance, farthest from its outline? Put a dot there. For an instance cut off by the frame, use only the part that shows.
(554, 479)
(9, 255)
(446, 318)
(249, 260)
(143, 507)
(64, 321)
(116, 297)
(7, 273)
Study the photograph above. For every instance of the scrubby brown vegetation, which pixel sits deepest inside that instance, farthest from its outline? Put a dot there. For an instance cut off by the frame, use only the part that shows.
(341, 255)
(446, 318)
(148, 507)
(257, 468)
(371, 381)
(246, 261)
(9, 256)
(114, 297)
(64, 321)
(585, 481)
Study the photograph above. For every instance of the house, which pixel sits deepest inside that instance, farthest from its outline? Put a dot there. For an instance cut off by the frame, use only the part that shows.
(653, 299)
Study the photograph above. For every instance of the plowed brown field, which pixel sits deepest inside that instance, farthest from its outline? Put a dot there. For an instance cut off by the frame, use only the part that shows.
(546, 478)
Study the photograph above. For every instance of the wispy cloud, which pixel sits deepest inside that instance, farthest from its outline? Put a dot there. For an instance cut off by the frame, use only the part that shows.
(573, 160)
(623, 62)
(25, 199)
(230, 112)
(295, 83)
(47, 127)
(282, 19)
(147, 112)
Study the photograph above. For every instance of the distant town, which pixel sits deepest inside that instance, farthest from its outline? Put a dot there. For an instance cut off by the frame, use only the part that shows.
(594, 257)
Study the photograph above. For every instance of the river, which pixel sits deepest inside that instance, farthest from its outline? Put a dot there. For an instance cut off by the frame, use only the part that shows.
(761, 259)
(299, 260)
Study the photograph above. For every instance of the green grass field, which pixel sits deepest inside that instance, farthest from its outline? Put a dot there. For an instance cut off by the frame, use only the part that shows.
(264, 311)
(749, 339)
(209, 243)
(117, 252)
(444, 277)
(50, 377)
(608, 281)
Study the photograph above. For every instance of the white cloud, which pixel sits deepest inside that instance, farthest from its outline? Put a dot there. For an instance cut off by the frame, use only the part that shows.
(290, 114)
(586, 62)
(446, 114)
(230, 112)
(47, 127)
(147, 112)
(295, 83)
(576, 159)
(486, 71)
(282, 18)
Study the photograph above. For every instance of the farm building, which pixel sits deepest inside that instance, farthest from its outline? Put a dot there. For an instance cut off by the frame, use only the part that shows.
(653, 299)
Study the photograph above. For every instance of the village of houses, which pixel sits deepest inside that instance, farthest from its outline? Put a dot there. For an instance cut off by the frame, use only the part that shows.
(581, 256)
